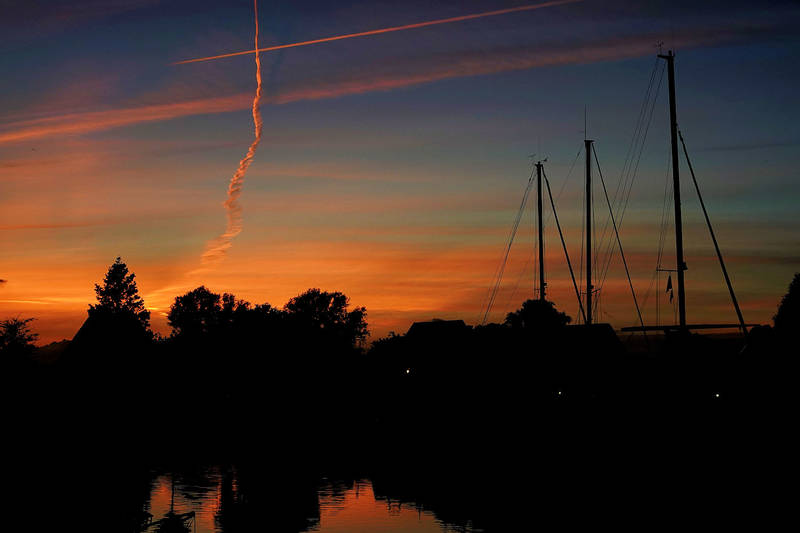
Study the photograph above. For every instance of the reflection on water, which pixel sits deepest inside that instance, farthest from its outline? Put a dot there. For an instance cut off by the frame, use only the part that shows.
(202, 499)
(357, 509)
(342, 506)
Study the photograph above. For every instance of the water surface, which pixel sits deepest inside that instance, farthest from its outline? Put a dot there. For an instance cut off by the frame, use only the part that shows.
(324, 505)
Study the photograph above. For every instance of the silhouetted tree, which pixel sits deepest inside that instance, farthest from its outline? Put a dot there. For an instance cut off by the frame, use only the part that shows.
(114, 337)
(119, 295)
(16, 338)
(201, 312)
(195, 313)
(321, 312)
(266, 310)
(233, 311)
(537, 315)
(787, 320)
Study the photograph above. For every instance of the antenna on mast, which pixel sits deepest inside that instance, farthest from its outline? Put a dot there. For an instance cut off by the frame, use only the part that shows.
(585, 121)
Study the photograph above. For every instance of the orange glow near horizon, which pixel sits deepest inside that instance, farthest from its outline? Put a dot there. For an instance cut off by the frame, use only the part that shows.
(386, 30)
(398, 284)
(406, 255)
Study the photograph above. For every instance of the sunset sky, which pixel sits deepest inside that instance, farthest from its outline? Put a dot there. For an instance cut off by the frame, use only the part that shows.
(391, 166)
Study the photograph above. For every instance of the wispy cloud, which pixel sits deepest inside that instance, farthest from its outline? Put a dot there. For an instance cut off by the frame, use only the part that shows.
(51, 226)
(387, 76)
(392, 29)
(30, 19)
(82, 123)
(31, 302)
(103, 218)
(740, 147)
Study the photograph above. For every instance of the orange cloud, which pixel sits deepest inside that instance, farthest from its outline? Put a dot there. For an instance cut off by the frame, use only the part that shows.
(82, 123)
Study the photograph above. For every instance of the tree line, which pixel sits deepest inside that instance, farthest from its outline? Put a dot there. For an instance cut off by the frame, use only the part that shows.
(302, 369)
(200, 315)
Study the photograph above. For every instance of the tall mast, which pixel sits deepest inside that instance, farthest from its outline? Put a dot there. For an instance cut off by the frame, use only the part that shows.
(588, 144)
(676, 184)
(542, 283)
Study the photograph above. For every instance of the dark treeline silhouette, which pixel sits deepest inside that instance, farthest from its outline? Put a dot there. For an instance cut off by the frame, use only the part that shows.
(231, 375)
(16, 344)
(436, 416)
(230, 360)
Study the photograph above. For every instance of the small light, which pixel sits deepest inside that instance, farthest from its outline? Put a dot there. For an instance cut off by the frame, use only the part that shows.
(408, 370)
(559, 393)
(716, 395)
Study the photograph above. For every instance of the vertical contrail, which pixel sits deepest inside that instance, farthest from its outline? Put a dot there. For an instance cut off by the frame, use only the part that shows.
(216, 249)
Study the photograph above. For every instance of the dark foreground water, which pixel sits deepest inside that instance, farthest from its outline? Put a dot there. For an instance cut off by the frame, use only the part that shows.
(331, 505)
(571, 475)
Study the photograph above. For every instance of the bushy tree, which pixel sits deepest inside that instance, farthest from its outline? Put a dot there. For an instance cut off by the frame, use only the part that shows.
(16, 337)
(232, 309)
(326, 312)
(537, 315)
(200, 312)
(119, 295)
(195, 313)
(787, 320)
(314, 316)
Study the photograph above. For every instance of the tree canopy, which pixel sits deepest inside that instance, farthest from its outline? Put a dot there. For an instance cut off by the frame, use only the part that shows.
(312, 316)
(321, 310)
(537, 315)
(119, 295)
(195, 313)
(16, 337)
(787, 320)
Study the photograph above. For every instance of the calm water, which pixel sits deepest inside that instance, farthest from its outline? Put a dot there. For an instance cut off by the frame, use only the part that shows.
(328, 506)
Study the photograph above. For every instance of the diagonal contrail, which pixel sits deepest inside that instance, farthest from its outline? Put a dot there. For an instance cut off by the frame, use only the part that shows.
(217, 248)
(386, 30)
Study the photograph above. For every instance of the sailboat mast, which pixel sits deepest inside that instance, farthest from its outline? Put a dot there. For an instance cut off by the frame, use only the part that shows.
(676, 184)
(542, 283)
(588, 144)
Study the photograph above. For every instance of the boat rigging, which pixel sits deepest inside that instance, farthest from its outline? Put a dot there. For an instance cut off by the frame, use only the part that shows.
(588, 304)
(680, 267)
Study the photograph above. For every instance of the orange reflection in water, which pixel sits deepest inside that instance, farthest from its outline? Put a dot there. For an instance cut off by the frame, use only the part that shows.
(205, 503)
(348, 509)
(358, 510)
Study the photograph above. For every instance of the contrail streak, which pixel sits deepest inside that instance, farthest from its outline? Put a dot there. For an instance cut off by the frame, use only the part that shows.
(217, 248)
(386, 30)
